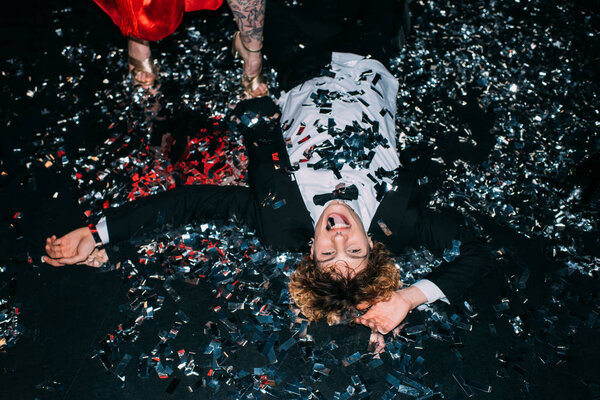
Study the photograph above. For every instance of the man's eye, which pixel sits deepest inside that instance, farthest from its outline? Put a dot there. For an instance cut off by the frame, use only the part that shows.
(354, 251)
(327, 253)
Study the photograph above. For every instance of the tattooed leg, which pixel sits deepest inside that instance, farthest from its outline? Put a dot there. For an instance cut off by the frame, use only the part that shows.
(249, 15)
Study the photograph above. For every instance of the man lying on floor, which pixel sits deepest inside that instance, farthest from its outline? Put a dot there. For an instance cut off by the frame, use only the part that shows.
(327, 174)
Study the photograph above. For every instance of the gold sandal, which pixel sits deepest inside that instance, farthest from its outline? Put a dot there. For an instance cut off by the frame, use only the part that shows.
(147, 65)
(250, 84)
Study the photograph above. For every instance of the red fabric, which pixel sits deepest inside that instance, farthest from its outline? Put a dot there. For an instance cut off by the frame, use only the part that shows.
(152, 19)
(196, 5)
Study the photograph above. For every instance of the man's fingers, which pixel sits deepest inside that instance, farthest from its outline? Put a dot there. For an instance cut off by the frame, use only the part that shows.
(376, 343)
(55, 252)
(380, 327)
(52, 244)
(73, 260)
(383, 330)
(53, 262)
(51, 239)
(371, 324)
(366, 316)
(375, 324)
(54, 241)
(56, 249)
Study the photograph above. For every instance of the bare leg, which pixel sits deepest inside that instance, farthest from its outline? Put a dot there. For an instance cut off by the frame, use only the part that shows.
(249, 15)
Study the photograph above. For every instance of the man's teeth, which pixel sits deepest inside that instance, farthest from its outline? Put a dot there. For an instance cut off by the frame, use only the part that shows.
(331, 224)
(340, 226)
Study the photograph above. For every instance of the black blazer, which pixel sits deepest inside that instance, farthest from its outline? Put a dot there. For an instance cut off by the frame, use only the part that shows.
(273, 206)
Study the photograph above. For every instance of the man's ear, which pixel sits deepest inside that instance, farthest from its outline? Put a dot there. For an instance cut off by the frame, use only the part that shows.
(312, 249)
(368, 240)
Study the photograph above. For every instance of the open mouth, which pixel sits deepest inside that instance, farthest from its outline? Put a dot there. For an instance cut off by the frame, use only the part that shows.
(337, 221)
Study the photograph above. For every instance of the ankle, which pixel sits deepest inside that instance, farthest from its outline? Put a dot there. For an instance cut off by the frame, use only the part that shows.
(252, 64)
(138, 48)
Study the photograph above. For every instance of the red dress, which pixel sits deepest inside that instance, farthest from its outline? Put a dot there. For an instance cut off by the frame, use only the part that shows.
(152, 19)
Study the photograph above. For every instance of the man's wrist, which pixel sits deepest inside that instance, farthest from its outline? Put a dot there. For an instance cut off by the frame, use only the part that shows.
(413, 296)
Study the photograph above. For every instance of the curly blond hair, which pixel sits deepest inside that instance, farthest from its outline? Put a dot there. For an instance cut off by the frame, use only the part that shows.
(323, 293)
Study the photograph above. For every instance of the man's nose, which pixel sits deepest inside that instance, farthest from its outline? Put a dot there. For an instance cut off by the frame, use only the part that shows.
(339, 236)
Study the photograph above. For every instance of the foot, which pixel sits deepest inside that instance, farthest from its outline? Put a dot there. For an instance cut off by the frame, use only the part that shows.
(252, 64)
(141, 51)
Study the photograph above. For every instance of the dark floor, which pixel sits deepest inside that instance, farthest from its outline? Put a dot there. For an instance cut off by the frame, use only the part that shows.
(497, 117)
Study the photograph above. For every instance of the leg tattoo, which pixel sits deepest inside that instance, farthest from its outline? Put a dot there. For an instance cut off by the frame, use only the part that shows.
(249, 15)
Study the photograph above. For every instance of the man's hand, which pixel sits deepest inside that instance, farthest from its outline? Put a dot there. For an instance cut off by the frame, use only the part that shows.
(386, 315)
(73, 248)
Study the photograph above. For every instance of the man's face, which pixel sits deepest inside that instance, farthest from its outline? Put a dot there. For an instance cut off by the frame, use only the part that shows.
(341, 243)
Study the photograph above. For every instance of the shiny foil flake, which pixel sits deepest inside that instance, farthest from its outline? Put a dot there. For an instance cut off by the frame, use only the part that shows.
(530, 166)
(10, 329)
(251, 317)
(353, 145)
(536, 86)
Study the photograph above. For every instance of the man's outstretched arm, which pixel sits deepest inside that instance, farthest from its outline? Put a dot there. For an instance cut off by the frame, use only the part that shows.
(172, 208)
(439, 232)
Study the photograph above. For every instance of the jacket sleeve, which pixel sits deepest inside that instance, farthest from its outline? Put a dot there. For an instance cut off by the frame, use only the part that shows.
(179, 206)
(410, 224)
(438, 232)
